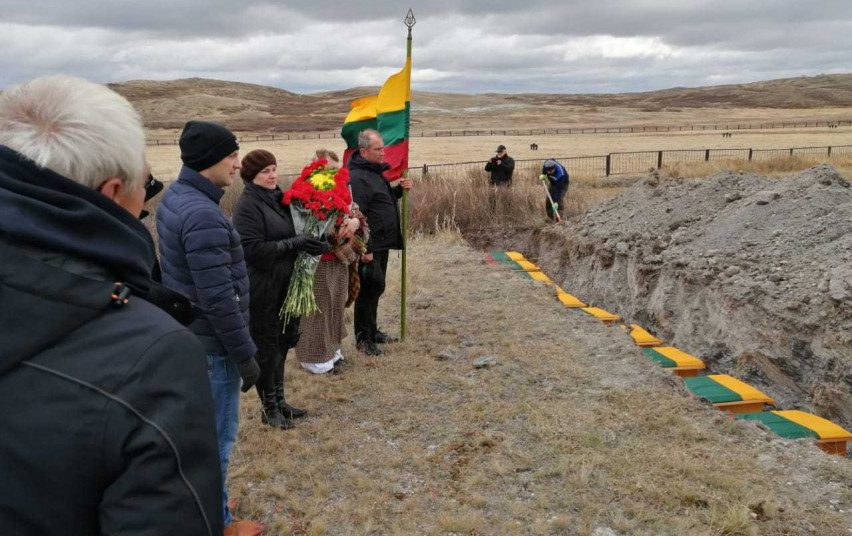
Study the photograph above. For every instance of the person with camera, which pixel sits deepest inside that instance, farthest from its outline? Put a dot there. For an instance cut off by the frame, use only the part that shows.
(501, 167)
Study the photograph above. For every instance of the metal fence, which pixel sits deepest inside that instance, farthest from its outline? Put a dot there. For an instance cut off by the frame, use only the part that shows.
(631, 162)
(727, 127)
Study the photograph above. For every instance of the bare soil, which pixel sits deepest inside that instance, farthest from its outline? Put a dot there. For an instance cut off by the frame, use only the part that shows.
(752, 273)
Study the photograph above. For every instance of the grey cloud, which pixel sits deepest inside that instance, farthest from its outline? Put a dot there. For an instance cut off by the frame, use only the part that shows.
(466, 46)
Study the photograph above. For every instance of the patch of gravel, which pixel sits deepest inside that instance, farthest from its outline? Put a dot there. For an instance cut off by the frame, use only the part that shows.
(753, 274)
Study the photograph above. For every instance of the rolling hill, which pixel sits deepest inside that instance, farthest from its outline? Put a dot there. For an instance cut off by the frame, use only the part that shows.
(256, 108)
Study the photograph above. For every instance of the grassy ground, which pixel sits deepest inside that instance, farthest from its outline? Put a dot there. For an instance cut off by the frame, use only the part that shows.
(572, 430)
(292, 155)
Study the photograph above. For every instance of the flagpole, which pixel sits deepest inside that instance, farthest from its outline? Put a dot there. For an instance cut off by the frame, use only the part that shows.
(409, 22)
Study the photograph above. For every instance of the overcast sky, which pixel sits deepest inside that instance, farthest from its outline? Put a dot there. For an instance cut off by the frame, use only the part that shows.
(588, 46)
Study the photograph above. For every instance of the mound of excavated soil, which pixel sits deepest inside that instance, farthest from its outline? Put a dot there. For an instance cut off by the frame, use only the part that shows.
(753, 274)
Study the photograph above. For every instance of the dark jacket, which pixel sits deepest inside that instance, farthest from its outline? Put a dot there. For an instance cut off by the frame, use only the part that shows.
(501, 174)
(107, 417)
(377, 201)
(261, 221)
(557, 184)
(201, 257)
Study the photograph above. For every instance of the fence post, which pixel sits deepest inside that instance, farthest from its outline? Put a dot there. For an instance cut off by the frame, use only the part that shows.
(791, 151)
(659, 159)
(608, 163)
(425, 171)
(829, 150)
(706, 155)
(750, 151)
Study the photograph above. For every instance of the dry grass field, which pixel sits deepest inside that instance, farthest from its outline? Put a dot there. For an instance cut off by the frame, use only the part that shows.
(293, 154)
(252, 108)
(572, 431)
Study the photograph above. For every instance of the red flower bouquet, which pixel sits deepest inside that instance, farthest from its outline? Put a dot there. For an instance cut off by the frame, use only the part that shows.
(318, 198)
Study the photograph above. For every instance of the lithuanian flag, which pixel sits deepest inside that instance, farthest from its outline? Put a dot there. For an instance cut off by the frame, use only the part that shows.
(388, 112)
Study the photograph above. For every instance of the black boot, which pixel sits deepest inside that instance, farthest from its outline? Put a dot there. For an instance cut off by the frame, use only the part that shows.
(286, 409)
(369, 347)
(383, 338)
(270, 415)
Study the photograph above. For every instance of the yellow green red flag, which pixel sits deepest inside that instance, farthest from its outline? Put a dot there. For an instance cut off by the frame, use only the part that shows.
(389, 112)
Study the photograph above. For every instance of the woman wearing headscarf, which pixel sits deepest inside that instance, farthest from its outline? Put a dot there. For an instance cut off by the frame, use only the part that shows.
(271, 244)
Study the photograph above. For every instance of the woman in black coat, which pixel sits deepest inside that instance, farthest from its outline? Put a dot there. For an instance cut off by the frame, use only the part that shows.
(271, 245)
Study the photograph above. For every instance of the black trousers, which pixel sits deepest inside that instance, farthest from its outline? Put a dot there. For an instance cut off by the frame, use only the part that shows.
(558, 195)
(272, 353)
(372, 275)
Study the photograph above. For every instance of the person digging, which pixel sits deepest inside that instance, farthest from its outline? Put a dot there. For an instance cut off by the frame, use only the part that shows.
(555, 179)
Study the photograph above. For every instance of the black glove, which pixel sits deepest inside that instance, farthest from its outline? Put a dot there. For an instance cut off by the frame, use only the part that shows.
(313, 246)
(303, 242)
(249, 372)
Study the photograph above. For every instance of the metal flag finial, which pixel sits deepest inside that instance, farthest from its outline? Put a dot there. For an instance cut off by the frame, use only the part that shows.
(410, 21)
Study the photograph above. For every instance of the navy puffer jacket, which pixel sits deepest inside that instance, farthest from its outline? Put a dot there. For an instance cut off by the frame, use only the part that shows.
(201, 257)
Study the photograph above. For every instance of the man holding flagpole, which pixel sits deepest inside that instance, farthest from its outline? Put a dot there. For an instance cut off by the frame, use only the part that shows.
(388, 117)
(377, 200)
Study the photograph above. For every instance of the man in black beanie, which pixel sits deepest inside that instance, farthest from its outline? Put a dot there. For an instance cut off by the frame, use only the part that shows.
(201, 256)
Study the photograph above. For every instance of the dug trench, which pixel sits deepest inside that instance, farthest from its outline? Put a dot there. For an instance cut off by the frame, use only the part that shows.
(753, 274)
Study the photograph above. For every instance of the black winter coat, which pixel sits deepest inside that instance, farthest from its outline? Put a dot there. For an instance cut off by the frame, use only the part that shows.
(501, 174)
(107, 419)
(261, 221)
(377, 201)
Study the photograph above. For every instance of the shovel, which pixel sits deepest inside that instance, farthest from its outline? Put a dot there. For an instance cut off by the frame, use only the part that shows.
(553, 205)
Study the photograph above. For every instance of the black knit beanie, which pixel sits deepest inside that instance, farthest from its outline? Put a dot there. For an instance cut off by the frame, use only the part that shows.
(204, 144)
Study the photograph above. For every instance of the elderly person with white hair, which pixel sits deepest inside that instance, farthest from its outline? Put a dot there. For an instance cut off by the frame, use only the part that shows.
(108, 421)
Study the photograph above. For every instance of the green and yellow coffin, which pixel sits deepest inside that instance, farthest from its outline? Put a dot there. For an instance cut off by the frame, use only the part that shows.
(641, 336)
(604, 316)
(502, 257)
(795, 424)
(728, 393)
(517, 261)
(569, 300)
(680, 362)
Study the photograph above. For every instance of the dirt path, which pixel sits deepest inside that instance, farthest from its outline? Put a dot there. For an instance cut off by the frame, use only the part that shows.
(572, 431)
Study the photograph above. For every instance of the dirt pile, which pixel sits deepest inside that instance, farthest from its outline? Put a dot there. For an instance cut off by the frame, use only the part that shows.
(753, 274)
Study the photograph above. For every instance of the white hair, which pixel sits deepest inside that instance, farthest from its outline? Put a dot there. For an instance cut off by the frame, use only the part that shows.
(79, 129)
(365, 137)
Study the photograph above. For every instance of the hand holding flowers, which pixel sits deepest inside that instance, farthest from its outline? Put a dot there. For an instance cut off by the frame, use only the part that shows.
(318, 198)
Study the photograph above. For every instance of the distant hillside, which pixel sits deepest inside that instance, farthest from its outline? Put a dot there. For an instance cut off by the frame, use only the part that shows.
(802, 92)
(250, 107)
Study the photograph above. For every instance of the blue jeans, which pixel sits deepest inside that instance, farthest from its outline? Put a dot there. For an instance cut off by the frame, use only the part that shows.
(225, 384)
